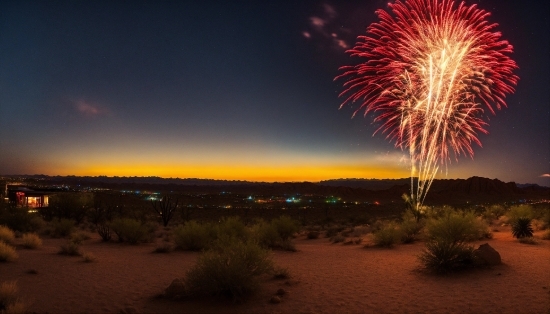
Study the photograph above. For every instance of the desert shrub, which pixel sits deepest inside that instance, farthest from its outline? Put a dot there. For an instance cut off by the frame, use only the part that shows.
(6, 235)
(163, 247)
(360, 230)
(31, 241)
(266, 234)
(444, 256)
(528, 240)
(194, 236)
(79, 237)
(7, 253)
(130, 230)
(62, 228)
(70, 248)
(387, 236)
(494, 212)
(285, 227)
(521, 228)
(8, 295)
(520, 211)
(313, 234)
(88, 257)
(288, 245)
(233, 227)
(456, 227)
(70, 205)
(338, 238)
(410, 227)
(546, 235)
(19, 219)
(104, 232)
(230, 270)
(280, 272)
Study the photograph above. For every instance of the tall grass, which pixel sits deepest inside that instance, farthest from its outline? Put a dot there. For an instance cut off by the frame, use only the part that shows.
(7, 253)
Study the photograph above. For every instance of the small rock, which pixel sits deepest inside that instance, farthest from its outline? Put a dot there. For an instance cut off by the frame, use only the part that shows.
(281, 291)
(176, 290)
(486, 255)
(275, 299)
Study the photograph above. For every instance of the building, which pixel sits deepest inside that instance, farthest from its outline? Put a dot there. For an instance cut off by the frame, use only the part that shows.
(23, 196)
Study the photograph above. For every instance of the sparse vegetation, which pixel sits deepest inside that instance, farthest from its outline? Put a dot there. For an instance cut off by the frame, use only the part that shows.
(70, 248)
(194, 236)
(130, 230)
(88, 257)
(62, 228)
(9, 302)
(521, 228)
(444, 256)
(165, 208)
(104, 232)
(455, 227)
(410, 227)
(231, 270)
(7, 253)
(281, 273)
(387, 236)
(520, 211)
(528, 240)
(31, 241)
(6, 235)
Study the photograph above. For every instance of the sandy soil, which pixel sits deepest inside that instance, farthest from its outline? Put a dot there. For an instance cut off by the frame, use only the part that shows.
(327, 278)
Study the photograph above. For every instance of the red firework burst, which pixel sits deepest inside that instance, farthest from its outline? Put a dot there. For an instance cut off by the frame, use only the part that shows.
(432, 67)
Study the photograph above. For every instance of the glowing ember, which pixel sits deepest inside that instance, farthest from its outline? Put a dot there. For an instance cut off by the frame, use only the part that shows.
(432, 67)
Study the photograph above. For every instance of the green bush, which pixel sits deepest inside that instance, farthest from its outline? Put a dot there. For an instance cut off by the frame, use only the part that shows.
(6, 235)
(233, 227)
(7, 253)
(230, 270)
(521, 228)
(266, 234)
(285, 227)
(456, 227)
(520, 211)
(62, 228)
(31, 241)
(444, 256)
(494, 212)
(387, 236)
(194, 236)
(130, 230)
(410, 227)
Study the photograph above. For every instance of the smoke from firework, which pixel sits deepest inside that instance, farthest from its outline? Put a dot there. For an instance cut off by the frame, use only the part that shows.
(432, 69)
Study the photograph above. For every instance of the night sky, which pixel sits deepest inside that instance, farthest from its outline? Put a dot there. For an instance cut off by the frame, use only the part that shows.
(238, 90)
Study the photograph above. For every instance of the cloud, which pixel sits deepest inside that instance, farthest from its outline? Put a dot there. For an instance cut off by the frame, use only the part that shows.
(546, 175)
(89, 109)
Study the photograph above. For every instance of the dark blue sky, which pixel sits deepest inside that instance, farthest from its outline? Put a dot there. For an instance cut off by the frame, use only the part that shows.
(229, 89)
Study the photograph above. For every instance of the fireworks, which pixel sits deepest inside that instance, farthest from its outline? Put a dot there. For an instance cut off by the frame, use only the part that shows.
(432, 70)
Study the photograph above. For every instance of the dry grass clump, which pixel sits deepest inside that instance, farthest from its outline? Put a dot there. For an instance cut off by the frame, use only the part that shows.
(442, 256)
(62, 228)
(387, 236)
(528, 240)
(6, 235)
(31, 241)
(130, 230)
(70, 248)
(7, 253)
(88, 257)
(9, 302)
(281, 273)
(194, 236)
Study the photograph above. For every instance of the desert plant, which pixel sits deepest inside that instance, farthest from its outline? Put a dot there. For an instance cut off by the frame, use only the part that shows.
(546, 235)
(129, 230)
(231, 270)
(233, 227)
(521, 228)
(19, 219)
(7, 253)
(104, 232)
(88, 257)
(31, 241)
(338, 238)
(285, 227)
(494, 212)
(8, 295)
(444, 256)
(165, 208)
(528, 240)
(387, 236)
(70, 248)
(266, 234)
(62, 228)
(194, 236)
(79, 237)
(456, 227)
(6, 235)
(520, 211)
(410, 227)
(163, 247)
(280, 272)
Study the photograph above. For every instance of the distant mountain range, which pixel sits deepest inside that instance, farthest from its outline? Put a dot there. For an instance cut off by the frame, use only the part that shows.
(442, 191)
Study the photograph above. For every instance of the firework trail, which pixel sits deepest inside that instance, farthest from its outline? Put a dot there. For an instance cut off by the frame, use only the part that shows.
(432, 69)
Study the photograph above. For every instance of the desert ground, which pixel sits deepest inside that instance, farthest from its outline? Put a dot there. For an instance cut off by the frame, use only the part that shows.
(325, 278)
